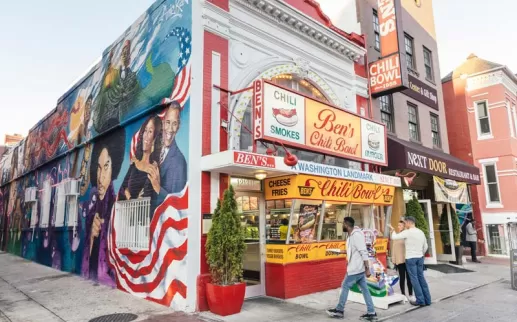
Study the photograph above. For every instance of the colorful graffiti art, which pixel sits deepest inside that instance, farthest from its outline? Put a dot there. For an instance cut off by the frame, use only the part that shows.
(118, 140)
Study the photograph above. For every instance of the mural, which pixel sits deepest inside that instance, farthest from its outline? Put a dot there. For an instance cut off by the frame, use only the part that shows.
(122, 133)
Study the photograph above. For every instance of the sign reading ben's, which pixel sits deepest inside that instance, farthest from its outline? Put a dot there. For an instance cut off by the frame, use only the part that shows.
(281, 115)
(330, 189)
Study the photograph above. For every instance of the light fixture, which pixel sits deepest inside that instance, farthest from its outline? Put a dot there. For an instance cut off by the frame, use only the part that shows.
(260, 175)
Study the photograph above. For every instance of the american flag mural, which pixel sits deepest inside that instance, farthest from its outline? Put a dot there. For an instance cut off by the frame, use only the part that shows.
(160, 274)
(181, 89)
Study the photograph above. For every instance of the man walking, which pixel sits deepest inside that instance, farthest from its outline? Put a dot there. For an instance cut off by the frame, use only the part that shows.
(472, 239)
(416, 246)
(357, 271)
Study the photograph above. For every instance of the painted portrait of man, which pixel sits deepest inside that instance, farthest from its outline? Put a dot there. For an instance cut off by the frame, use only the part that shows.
(106, 161)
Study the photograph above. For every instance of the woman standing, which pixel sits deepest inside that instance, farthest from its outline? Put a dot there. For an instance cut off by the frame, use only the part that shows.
(398, 257)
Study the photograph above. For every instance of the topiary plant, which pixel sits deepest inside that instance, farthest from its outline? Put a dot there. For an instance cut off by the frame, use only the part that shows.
(225, 244)
(414, 209)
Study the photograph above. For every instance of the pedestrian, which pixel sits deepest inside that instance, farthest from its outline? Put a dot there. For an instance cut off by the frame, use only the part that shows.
(398, 257)
(472, 239)
(358, 270)
(416, 246)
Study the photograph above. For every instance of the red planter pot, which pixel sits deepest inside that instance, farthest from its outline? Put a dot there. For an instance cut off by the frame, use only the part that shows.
(225, 300)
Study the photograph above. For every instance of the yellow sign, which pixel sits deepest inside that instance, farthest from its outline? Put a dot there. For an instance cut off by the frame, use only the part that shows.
(289, 254)
(330, 189)
(332, 131)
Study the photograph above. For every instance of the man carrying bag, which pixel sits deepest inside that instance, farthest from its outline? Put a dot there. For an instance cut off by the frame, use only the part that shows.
(357, 271)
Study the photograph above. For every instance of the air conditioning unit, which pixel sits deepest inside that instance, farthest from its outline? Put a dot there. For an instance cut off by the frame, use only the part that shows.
(30, 194)
(71, 188)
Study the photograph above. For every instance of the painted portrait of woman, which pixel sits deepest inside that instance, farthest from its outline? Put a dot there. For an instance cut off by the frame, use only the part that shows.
(136, 182)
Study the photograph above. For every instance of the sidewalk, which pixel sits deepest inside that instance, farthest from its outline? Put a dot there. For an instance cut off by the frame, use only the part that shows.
(30, 292)
(312, 307)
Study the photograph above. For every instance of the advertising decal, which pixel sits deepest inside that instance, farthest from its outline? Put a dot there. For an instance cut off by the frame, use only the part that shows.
(451, 191)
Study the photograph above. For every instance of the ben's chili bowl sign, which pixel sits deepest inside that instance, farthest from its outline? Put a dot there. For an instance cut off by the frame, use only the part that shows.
(301, 122)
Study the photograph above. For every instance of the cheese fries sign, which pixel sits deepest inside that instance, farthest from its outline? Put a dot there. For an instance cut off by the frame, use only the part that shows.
(282, 115)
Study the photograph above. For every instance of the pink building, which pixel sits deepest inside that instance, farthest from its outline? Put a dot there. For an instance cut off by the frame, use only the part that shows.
(480, 102)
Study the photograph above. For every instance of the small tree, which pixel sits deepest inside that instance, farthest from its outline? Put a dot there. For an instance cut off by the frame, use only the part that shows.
(415, 210)
(444, 227)
(225, 244)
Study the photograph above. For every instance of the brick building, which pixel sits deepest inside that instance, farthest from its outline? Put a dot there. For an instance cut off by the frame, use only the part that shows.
(416, 121)
(480, 102)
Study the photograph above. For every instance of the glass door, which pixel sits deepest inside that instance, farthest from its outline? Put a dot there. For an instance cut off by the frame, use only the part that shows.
(443, 232)
(251, 208)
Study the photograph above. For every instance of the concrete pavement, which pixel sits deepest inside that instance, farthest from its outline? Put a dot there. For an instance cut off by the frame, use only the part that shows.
(30, 292)
(312, 307)
(493, 302)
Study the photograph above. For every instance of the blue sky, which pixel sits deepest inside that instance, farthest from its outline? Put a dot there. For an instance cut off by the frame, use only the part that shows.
(47, 45)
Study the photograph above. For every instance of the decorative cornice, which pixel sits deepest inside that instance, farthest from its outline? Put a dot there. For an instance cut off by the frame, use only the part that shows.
(216, 20)
(498, 77)
(283, 14)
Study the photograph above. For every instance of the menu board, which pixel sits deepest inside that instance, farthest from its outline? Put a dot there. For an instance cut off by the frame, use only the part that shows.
(307, 223)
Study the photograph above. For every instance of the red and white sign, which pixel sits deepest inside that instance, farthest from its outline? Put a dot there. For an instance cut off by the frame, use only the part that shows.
(258, 99)
(388, 27)
(385, 74)
(253, 159)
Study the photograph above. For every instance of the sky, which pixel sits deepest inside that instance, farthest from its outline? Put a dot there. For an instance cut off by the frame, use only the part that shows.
(47, 45)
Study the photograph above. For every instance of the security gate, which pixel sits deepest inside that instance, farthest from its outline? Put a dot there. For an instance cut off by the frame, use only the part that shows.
(512, 239)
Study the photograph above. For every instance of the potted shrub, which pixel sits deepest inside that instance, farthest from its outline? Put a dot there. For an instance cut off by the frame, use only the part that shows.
(414, 209)
(225, 248)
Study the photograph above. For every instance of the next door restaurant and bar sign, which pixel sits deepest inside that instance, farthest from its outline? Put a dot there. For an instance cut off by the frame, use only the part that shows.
(403, 156)
(281, 115)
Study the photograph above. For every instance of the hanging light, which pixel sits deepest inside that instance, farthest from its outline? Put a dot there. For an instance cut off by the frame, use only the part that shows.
(260, 175)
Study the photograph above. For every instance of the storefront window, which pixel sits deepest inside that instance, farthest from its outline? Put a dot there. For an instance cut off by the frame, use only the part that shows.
(305, 87)
(248, 207)
(496, 240)
(332, 226)
(277, 220)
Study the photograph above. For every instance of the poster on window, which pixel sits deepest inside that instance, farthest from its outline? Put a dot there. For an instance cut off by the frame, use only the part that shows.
(307, 223)
(446, 190)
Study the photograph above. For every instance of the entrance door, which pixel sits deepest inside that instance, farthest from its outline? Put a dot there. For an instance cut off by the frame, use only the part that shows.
(443, 232)
(430, 256)
(251, 206)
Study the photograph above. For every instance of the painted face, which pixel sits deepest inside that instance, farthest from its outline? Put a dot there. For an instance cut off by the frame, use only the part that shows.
(88, 109)
(103, 173)
(125, 55)
(148, 137)
(171, 125)
(401, 226)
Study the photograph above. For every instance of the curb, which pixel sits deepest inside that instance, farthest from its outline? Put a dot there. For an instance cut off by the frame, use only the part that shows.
(441, 299)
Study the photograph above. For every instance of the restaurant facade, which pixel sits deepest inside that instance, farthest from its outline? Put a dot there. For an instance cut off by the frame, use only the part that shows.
(119, 181)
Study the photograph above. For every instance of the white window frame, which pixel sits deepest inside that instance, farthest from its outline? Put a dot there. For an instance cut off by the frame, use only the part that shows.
(65, 206)
(132, 224)
(46, 198)
(491, 162)
(484, 136)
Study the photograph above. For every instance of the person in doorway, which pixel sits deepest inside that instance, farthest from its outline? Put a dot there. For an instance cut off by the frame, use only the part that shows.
(284, 228)
(357, 271)
(416, 246)
(472, 238)
(398, 258)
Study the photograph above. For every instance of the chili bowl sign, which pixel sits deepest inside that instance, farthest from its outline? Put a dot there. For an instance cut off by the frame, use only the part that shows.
(281, 115)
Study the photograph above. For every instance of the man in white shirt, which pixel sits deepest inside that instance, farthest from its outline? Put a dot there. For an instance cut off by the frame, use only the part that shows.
(416, 247)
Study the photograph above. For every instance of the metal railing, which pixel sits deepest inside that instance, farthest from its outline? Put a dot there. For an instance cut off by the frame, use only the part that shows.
(132, 220)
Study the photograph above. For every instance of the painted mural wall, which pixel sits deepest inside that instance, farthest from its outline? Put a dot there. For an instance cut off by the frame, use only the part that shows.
(122, 132)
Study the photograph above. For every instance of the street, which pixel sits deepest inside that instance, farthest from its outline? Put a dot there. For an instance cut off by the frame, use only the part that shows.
(494, 302)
